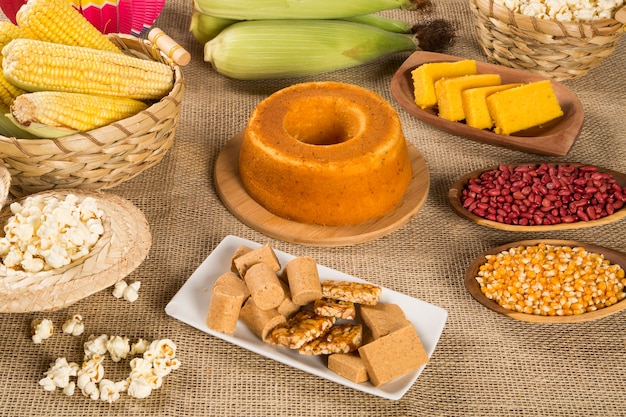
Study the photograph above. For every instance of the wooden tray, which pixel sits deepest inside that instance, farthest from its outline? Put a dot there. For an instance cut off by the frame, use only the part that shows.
(122, 248)
(554, 138)
(474, 287)
(456, 190)
(247, 210)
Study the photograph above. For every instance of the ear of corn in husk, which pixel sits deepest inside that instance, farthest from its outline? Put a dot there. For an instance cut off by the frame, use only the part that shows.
(263, 49)
(301, 9)
(51, 114)
(381, 22)
(59, 22)
(205, 27)
(35, 65)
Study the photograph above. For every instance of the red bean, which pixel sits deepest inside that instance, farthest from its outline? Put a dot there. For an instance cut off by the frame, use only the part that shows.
(479, 212)
(468, 202)
(591, 212)
(543, 194)
(610, 209)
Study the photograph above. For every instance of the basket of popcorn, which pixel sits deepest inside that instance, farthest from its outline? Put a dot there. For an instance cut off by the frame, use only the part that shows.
(558, 39)
(81, 109)
(60, 246)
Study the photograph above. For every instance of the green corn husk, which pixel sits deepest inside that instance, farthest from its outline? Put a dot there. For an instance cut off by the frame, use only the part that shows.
(301, 9)
(381, 22)
(205, 27)
(264, 49)
(10, 129)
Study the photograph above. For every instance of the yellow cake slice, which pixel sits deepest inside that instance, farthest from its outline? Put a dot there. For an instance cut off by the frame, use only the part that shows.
(425, 75)
(523, 107)
(448, 93)
(475, 104)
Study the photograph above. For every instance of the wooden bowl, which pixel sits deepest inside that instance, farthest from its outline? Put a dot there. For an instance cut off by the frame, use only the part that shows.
(555, 138)
(474, 287)
(456, 190)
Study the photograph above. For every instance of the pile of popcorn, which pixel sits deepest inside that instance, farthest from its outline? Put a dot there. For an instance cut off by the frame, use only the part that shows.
(45, 233)
(564, 10)
(154, 361)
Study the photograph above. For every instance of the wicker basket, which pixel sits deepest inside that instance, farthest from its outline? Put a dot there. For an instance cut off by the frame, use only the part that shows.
(552, 49)
(104, 157)
(124, 246)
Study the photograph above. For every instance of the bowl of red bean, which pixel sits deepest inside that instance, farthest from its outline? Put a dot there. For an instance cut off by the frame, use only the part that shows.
(549, 281)
(540, 196)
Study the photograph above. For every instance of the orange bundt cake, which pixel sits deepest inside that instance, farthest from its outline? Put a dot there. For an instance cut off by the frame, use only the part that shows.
(325, 153)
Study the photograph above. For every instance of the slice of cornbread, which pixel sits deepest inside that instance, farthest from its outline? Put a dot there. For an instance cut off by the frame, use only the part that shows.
(448, 93)
(475, 104)
(523, 107)
(425, 75)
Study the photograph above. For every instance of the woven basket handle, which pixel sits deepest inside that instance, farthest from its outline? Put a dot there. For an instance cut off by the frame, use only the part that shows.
(169, 46)
(620, 15)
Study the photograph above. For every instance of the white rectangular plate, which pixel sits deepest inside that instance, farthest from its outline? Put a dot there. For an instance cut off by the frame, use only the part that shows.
(191, 303)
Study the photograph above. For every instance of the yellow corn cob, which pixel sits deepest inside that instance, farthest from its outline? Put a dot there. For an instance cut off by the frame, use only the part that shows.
(8, 92)
(35, 65)
(58, 21)
(8, 32)
(65, 113)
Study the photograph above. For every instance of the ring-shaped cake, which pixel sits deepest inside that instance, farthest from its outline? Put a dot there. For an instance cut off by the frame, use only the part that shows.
(325, 153)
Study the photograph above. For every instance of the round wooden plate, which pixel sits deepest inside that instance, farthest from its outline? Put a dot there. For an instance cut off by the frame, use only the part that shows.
(474, 287)
(456, 190)
(247, 210)
(555, 138)
(122, 248)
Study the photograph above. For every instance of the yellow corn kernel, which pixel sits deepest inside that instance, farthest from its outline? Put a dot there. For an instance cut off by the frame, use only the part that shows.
(8, 32)
(72, 111)
(551, 280)
(35, 65)
(8, 92)
(59, 22)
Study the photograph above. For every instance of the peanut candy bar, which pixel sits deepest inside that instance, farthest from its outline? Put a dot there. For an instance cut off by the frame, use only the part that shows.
(355, 292)
(303, 327)
(341, 338)
(335, 308)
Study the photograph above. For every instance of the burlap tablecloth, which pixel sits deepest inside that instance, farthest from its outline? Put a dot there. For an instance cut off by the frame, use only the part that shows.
(484, 365)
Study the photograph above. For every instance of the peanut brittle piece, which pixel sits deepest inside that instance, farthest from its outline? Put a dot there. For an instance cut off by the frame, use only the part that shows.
(303, 327)
(356, 292)
(335, 308)
(341, 338)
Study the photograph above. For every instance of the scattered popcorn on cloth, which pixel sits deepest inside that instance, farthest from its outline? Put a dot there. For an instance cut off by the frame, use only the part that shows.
(564, 10)
(129, 292)
(154, 361)
(74, 326)
(42, 329)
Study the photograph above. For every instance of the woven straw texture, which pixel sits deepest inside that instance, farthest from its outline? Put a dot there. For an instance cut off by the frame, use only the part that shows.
(123, 247)
(101, 158)
(559, 50)
(485, 365)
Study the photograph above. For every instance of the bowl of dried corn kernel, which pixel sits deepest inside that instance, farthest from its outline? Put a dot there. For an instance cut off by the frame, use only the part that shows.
(557, 39)
(549, 281)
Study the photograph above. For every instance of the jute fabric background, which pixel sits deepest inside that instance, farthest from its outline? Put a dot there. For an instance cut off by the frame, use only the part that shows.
(484, 365)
